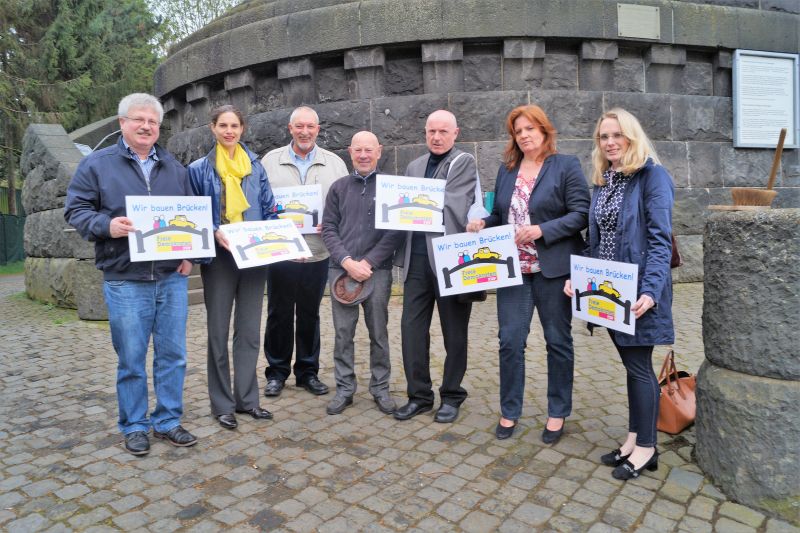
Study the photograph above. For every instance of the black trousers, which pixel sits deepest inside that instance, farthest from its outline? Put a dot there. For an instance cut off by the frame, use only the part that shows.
(420, 292)
(294, 290)
(643, 391)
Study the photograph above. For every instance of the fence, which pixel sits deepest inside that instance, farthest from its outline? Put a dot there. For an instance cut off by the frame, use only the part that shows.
(4, 201)
(11, 239)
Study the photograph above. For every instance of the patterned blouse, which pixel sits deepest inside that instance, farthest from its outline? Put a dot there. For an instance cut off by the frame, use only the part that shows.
(606, 211)
(518, 215)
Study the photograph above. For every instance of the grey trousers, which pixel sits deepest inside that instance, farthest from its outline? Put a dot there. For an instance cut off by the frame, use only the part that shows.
(224, 283)
(376, 316)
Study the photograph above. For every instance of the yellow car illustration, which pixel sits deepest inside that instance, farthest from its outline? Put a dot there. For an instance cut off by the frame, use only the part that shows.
(294, 205)
(273, 237)
(485, 253)
(181, 221)
(608, 288)
(423, 199)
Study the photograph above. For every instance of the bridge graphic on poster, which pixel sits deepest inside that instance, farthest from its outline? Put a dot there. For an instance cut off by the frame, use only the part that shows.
(605, 290)
(302, 211)
(272, 238)
(142, 235)
(448, 272)
(418, 203)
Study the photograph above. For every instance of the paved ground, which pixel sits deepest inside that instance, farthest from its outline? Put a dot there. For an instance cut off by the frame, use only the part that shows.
(62, 467)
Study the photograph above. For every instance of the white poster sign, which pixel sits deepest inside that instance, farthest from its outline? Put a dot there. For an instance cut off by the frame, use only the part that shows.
(302, 205)
(409, 204)
(766, 98)
(604, 292)
(264, 242)
(470, 262)
(170, 227)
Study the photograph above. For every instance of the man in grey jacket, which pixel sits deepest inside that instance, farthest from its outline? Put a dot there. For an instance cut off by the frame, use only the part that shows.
(364, 255)
(420, 290)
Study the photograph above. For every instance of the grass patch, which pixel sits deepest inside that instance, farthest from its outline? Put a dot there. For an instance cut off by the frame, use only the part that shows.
(12, 268)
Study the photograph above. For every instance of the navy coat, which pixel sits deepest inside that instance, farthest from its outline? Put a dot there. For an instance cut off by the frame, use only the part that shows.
(644, 238)
(559, 204)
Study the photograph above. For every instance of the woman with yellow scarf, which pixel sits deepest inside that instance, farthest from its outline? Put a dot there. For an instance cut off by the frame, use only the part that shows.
(237, 183)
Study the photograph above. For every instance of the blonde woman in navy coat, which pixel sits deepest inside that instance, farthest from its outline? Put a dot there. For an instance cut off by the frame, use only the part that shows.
(630, 220)
(545, 196)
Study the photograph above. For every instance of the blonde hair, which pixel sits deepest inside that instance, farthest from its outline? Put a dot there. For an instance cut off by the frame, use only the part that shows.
(639, 148)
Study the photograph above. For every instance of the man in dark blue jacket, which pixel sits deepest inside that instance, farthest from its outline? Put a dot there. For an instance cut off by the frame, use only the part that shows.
(143, 298)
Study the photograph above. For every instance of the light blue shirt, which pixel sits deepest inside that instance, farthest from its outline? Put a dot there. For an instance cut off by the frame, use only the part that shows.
(146, 165)
(302, 163)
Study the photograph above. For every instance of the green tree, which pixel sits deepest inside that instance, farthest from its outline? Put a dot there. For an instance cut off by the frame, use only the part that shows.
(184, 17)
(69, 62)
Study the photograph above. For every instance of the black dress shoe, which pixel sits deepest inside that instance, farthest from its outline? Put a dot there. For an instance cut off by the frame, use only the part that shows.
(177, 436)
(411, 409)
(338, 404)
(502, 432)
(137, 443)
(614, 458)
(551, 436)
(273, 388)
(314, 386)
(228, 421)
(446, 414)
(626, 471)
(257, 413)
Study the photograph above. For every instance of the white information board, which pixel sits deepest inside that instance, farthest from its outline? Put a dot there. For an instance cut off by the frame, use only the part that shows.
(409, 204)
(470, 262)
(766, 98)
(263, 242)
(170, 227)
(302, 205)
(604, 292)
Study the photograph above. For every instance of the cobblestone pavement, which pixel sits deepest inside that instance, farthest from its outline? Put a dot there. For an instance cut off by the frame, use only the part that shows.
(62, 466)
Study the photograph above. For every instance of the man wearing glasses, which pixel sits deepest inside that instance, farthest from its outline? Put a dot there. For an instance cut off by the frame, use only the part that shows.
(144, 299)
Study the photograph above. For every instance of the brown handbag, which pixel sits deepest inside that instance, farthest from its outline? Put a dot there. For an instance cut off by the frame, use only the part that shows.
(676, 408)
(676, 260)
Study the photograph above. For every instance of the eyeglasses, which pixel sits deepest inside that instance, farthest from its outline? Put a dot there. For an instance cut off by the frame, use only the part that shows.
(605, 137)
(139, 121)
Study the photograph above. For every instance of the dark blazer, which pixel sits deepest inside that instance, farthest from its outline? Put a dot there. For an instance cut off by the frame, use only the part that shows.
(559, 204)
(644, 232)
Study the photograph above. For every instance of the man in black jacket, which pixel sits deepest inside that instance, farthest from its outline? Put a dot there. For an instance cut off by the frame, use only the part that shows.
(144, 299)
(361, 259)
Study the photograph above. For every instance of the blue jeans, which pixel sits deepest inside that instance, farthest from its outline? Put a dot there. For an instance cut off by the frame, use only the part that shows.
(137, 309)
(514, 313)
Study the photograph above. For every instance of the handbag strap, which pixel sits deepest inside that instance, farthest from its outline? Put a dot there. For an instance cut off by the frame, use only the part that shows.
(670, 372)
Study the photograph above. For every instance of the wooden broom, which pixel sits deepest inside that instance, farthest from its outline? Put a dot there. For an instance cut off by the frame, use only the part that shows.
(749, 196)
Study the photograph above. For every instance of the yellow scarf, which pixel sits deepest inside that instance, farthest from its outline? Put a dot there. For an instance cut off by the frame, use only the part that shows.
(231, 171)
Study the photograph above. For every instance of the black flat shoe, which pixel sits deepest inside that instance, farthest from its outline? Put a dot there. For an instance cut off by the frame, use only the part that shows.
(256, 412)
(503, 432)
(314, 386)
(411, 409)
(614, 458)
(552, 436)
(228, 421)
(446, 414)
(626, 471)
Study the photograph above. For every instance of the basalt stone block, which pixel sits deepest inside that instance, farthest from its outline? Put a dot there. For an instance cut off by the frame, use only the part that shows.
(522, 74)
(269, 95)
(787, 198)
(628, 75)
(702, 118)
(784, 6)
(597, 65)
(698, 79)
(332, 84)
(691, 248)
(582, 149)
(339, 121)
(39, 194)
(81, 248)
(705, 164)
(387, 163)
(751, 307)
(93, 133)
(403, 76)
(652, 110)
(674, 158)
(482, 72)
(87, 288)
(45, 236)
(523, 49)
(560, 71)
(48, 280)
(573, 113)
(443, 76)
(400, 120)
(406, 154)
(479, 18)
(489, 156)
(747, 433)
(690, 210)
(267, 131)
(481, 116)
(321, 29)
(47, 147)
(365, 72)
(722, 64)
(193, 144)
(198, 91)
(789, 175)
(746, 167)
(383, 21)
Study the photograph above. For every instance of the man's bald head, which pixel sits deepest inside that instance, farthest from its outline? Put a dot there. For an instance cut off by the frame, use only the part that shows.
(365, 151)
(441, 130)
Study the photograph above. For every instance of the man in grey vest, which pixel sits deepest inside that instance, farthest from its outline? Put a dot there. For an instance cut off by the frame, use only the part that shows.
(420, 290)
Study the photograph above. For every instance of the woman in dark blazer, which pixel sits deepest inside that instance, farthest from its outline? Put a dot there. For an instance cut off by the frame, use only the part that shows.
(630, 220)
(545, 196)
(233, 177)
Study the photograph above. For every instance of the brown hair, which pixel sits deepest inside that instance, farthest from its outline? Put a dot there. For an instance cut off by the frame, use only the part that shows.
(217, 111)
(512, 156)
